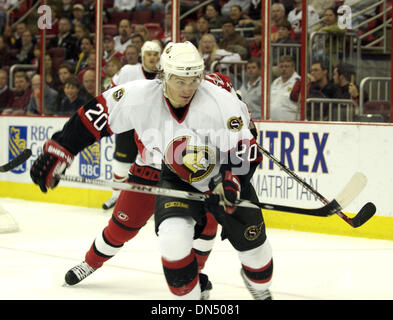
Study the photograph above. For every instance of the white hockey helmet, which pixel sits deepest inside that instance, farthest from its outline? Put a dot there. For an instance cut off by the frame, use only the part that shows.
(181, 59)
(150, 46)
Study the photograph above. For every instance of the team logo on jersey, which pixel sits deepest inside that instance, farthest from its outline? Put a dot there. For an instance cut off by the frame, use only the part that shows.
(190, 163)
(89, 161)
(235, 124)
(17, 142)
(253, 232)
(118, 94)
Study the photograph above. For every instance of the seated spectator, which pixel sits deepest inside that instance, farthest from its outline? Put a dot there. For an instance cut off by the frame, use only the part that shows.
(109, 50)
(90, 65)
(333, 43)
(21, 95)
(226, 8)
(64, 72)
(6, 59)
(5, 92)
(54, 29)
(65, 39)
(124, 5)
(255, 45)
(321, 5)
(26, 52)
(210, 52)
(318, 86)
(154, 5)
(79, 16)
(15, 35)
(254, 12)
(66, 9)
(90, 13)
(138, 40)
(189, 34)
(124, 37)
(51, 77)
(212, 13)
(87, 45)
(202, 27)
(73, 98)
(284, 33)
(4, 7)
(295, 17)
(142, 30)
(281, 106)
(112, 67)
(50, 98)
(232, 41)
(131, 55)
(251, 90)
(344, 78)
(89, 85)
(80, 31)
(278, 17)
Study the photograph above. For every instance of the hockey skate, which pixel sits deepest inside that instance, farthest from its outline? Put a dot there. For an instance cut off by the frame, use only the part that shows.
(206, 286)
(78, 273)
(110, 203)
(256, 294)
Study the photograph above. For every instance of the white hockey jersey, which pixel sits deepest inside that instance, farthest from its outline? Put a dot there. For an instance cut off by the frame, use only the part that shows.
(214, 125)
(128, 72)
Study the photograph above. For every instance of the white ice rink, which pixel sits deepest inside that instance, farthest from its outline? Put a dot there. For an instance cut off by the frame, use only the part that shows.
(53, 238)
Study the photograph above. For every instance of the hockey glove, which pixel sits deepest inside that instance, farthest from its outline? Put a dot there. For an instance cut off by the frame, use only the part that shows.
(227, 187)
(52, 161)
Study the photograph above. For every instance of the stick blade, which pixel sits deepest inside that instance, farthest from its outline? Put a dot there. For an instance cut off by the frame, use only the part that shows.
(364, 214)
(17, 161)
(352, 189)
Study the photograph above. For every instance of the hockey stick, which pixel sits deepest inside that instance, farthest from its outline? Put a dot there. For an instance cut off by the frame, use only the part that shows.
(17, 161)
(325, 211)
(358, 182)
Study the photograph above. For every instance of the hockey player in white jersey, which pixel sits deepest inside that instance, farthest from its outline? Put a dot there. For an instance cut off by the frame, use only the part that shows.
(125, 147)
(201, 136)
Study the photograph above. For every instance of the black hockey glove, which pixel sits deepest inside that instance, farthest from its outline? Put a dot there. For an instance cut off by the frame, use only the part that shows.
(225, 188)
(52, 161)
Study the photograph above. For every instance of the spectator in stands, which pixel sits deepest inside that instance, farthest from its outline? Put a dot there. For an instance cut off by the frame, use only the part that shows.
(333, 44)
(79, 15)
(65, 40)
(131, 55)
(51, 76)
(21, 95)
(124, 5)
(251, 90)
(86, 46)
(5, 5)
(50, 98)
(318, 86)
(6, 59)
(232, 41)
(90, 13)
(5, 92)
(142, 30)
(26, 52)
(154, 5)
(189, 33)
(88, 83)
(344, 78)
(212, 13)
(124, 37)
(72, 97)
(236, 14)
(202, 27)
(254, 12)
(109, 50)
(210, 52)
(80, 31)
(281, 106)
(295, 17)
(284, 37)
(66, 9)
(321, 5)
(16, 37)
(255, 45)
(138, 40)
(226, 8)
(278, 16)
(65, 71)
(166, 36)
(111, 68)
(90, 65)
(54, 29)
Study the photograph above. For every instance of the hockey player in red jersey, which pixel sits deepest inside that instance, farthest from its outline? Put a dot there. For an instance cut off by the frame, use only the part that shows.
(201, 135)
